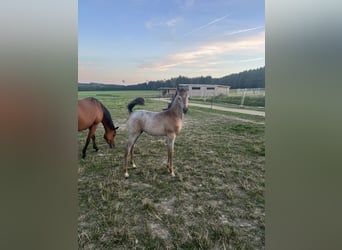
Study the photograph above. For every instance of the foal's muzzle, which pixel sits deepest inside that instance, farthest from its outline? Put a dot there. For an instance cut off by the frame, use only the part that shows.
(185, 110)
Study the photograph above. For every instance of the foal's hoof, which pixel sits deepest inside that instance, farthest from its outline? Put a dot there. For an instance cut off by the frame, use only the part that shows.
(173, 174)
(126, 175)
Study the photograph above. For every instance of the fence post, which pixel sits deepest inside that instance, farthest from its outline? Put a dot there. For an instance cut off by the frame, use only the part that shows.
(243, 98)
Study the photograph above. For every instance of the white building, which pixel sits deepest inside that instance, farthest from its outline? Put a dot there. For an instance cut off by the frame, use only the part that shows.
(203, 90)
(167, 92)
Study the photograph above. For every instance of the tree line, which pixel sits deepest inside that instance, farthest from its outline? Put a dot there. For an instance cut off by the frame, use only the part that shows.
(254, 78)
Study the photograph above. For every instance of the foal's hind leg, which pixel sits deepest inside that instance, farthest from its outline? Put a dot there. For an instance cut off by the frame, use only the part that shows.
(129, 150)
(132, 159)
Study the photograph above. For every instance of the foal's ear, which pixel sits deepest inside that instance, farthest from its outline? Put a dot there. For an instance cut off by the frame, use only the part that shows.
(116, 128)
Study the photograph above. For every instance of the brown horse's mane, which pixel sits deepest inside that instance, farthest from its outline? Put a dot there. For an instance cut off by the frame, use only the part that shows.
(107, 118)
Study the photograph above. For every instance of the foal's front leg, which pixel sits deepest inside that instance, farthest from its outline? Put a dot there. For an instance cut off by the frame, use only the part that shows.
(170, 149)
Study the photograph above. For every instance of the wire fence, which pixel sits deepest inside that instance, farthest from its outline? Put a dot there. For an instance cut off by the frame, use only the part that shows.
(247, 92)
(237, 97)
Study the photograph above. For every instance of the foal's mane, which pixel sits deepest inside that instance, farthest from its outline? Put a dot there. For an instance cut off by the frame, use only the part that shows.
(174, 98)
(107, 119)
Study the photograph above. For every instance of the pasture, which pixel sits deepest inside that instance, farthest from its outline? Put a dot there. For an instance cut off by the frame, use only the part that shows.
(215, 201)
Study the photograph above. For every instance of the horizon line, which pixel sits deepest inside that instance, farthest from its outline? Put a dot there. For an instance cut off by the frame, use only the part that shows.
(130, 84)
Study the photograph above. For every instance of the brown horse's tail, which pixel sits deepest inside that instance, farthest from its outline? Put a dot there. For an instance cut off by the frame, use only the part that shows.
(136, 101)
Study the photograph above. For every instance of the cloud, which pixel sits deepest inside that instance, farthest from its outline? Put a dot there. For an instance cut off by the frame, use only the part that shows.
(152, 24)
(185, 4)
(209, 53)
(207, 24)
(173, 21)
(252, 59)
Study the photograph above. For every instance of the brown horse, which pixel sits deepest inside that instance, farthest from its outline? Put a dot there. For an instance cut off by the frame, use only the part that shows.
(90, 113)
(165, 123)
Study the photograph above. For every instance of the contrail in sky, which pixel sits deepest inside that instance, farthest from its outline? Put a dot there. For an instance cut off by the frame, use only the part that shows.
(243, 30)
(208, 24)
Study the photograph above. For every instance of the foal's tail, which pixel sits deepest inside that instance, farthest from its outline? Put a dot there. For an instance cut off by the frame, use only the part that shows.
(136, 101)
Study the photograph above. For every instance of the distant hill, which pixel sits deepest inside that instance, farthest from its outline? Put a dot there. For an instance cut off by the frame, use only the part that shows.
(254, 78)
(98, 86)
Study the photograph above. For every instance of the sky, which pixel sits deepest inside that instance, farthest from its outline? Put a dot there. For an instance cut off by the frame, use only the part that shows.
(136, 41)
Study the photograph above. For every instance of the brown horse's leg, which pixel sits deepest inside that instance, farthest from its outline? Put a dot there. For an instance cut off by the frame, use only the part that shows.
(86, 145)
(92, 130)
(85, 148)
(91, 134)
(170, 149)
(94, 143)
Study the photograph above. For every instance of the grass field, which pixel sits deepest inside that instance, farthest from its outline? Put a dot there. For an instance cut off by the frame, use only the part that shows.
(216, 200)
